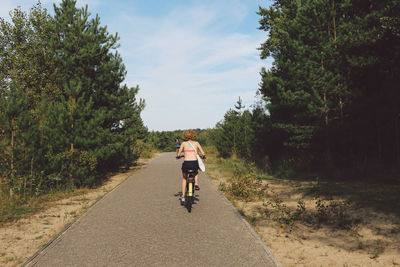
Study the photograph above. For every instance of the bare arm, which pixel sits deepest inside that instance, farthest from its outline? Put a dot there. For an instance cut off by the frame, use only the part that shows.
(201, 150)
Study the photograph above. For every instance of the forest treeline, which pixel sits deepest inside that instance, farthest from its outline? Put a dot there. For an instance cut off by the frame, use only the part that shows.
(66, 118)
(166, 140)
(331, 100)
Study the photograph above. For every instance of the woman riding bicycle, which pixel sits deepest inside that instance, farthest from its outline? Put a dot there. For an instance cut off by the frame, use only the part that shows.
(190, 163)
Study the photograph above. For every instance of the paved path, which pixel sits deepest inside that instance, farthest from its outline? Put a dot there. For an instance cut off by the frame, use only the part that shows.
(141, 223)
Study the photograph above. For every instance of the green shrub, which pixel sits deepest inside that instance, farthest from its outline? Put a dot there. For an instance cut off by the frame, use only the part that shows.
(144, 149)
(246, 187)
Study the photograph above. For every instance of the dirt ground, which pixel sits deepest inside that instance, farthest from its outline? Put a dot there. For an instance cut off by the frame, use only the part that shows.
(373, 239)
(21, 239)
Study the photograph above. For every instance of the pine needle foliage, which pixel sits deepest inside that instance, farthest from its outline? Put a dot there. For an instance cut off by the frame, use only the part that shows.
(331, 100)
(333, 90)
(66, 118)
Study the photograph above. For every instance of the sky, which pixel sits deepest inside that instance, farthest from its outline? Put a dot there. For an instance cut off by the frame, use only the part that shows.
(192, 59)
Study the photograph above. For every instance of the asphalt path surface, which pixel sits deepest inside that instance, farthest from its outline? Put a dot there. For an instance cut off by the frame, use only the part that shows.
(141, 223)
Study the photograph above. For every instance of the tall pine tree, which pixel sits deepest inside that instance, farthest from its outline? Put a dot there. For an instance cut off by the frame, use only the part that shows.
(332, 91)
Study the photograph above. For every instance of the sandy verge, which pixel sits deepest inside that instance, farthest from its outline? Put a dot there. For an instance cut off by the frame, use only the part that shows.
(374, 241)
(21, 239)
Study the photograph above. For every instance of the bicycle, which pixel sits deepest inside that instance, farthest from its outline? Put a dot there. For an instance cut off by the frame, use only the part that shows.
(190, 191)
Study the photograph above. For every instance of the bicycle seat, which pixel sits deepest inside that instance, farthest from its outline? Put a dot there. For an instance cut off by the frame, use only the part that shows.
(191, 171)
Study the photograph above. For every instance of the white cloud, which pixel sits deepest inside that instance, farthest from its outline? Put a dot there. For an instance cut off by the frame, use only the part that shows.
(189, 67)
(191, 63)
(9, 5)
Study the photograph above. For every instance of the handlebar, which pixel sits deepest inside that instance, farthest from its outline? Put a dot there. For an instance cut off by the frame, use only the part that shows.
(181, 156)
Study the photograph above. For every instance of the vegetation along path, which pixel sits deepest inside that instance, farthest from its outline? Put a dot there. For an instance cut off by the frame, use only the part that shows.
(142, 223)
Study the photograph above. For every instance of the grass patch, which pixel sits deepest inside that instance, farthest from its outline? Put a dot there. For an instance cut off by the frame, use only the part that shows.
(83, 199)
(24, 210)
(15, 207)
(39, 237)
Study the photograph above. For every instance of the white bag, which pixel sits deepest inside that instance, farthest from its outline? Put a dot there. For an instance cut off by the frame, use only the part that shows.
(202, 167)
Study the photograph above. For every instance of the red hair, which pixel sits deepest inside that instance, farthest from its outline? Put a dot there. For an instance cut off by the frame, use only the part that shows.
(189, 134)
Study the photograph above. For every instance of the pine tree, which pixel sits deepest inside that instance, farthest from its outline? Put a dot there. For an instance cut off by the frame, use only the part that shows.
(235, 134)
(332, 91)
(65, 116)
(99, 117)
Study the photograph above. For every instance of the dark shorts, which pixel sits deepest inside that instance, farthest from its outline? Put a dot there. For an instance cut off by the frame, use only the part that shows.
(190, 165)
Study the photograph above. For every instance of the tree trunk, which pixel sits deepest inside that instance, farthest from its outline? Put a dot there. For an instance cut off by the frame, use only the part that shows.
(328, 155)
(25, 180)
(341, 107)
(31, 176)
(397, 137)
(326, 110)
(12, 147)
(334, 24)
(73, 101)
(12, 154)
(379, 142)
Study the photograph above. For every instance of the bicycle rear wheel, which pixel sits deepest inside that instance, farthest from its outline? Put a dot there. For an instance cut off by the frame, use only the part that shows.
(189, 196)
(189, 204)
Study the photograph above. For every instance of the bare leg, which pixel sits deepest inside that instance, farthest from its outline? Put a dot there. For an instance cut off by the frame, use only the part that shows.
(183, 185)
(196, 178)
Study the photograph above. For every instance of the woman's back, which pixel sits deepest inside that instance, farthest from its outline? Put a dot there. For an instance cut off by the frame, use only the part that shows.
(190, 149)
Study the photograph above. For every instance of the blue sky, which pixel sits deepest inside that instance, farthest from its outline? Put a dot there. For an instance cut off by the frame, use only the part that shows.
(192, 59)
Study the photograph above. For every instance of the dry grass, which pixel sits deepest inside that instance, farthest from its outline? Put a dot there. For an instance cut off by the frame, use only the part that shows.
(310, 223)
